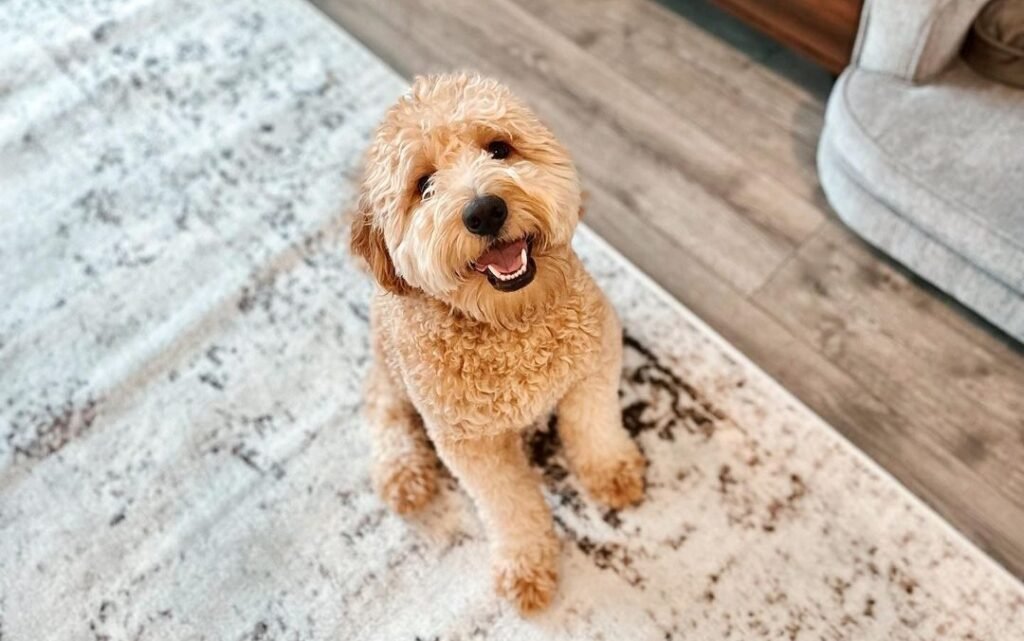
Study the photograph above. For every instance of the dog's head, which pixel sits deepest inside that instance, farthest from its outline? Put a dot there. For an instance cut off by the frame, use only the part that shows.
(467, 198)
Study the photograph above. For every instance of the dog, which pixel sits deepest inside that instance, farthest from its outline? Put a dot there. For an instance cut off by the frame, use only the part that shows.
(485, 320)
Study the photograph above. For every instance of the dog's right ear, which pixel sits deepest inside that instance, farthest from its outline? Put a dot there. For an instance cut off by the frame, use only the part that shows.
(367, 242)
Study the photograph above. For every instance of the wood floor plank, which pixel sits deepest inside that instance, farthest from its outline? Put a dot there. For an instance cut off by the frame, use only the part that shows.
(910, 289)
(924, 369)
(662, 165)
(962, 356)
(668, 59)
(742, 74)
(969, 401)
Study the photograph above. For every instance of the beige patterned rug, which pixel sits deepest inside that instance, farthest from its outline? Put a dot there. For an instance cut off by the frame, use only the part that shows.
(181, 347)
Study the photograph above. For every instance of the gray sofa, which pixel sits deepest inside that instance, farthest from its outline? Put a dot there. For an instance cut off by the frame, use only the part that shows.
(925, 159)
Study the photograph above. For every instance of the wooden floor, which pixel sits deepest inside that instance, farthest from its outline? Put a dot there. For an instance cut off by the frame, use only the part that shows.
(699, 165)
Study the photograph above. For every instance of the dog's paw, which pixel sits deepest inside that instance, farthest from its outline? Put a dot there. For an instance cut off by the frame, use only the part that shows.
(528, 576)
(617, 481)
(406, 485)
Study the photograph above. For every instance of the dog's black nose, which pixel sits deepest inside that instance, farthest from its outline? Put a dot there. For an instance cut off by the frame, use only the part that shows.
(485, 215)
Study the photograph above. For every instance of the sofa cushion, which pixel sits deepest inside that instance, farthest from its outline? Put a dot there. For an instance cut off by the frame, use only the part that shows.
(947, 156)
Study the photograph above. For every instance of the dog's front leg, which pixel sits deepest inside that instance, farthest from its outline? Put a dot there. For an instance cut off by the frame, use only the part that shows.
(404, 466)
(495, 472)
(600, 451)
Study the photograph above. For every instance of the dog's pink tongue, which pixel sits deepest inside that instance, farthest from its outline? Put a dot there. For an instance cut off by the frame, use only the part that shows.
(505, 258)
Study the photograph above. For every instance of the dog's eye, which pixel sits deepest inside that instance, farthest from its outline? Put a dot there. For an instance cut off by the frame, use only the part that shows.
(499, 149)
(423, 183)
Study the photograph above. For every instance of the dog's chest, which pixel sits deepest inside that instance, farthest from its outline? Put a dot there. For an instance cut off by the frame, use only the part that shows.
(476, 378)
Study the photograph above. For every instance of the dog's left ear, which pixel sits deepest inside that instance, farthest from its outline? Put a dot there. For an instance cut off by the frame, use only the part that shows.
(367, 242)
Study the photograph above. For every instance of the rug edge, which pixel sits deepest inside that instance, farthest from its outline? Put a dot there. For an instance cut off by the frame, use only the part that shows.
(666, 297)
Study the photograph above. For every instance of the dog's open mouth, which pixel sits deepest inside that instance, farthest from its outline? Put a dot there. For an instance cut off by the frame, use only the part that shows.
(507, 265)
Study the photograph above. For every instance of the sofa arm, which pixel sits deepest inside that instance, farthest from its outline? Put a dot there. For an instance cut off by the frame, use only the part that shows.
(912, 39)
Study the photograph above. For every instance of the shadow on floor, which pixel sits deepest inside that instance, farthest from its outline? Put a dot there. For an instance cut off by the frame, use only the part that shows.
(758, 46)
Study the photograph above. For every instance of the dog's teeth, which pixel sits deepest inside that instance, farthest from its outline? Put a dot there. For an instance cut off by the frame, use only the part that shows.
(516, 274)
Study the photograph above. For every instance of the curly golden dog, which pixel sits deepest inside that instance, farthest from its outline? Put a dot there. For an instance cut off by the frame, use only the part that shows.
(485, 320)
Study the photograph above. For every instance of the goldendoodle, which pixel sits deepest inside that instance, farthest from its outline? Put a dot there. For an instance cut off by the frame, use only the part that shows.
(485, 320)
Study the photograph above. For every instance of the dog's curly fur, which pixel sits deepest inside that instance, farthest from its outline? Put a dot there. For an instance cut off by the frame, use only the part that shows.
(464, 364)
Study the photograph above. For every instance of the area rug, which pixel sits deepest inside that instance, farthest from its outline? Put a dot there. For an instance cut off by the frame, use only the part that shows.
(181, 347)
